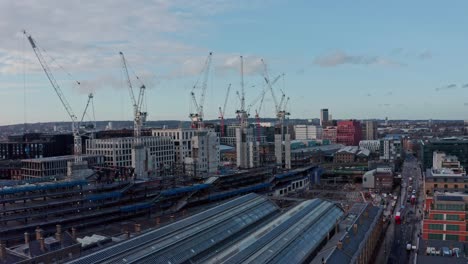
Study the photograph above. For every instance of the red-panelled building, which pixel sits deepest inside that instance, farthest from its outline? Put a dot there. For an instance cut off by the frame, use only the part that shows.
(444, 218)
(349, 133)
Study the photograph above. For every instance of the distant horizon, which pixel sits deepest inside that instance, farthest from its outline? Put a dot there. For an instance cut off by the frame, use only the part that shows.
(252, 119)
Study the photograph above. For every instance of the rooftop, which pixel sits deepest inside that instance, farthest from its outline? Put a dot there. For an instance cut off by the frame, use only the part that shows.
(282, 240)
(439, 245)
(368, 215)
(67, 157)
(190, 239)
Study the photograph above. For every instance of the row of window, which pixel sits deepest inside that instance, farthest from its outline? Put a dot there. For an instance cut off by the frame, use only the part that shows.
(447, 227)
(450, 207)
(441, 237)
(447, 217)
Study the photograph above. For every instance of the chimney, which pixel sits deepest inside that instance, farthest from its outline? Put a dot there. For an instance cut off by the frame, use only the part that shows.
(42, 244)
(58, 235)
(26, 238)
(355, 229)
(74, 233)
(158, 221)
(127, 234)
(347, 239)
(340, 244)
(137, 228)
(2, 251)
(38, 233)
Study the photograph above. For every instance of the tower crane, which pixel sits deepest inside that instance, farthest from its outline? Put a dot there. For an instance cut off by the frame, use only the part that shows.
(242, 113)
(198, 116)
(279, 107)
(77, 145)
(139, 117)
(223, 110)
(257, 111)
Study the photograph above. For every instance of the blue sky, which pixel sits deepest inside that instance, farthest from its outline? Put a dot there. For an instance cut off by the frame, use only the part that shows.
(360, 59)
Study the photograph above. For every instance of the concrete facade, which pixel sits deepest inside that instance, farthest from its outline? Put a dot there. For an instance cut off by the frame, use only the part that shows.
(372, 145)
(205, 154)
(305, 132)
(390, 149)
(158, 152)
(370, 130)
(182, 138)
(54, 166)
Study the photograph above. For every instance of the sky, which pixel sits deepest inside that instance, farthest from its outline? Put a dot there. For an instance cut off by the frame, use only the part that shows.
(359, 59)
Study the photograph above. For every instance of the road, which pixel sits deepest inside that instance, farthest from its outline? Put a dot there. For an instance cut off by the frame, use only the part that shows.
(409, 228)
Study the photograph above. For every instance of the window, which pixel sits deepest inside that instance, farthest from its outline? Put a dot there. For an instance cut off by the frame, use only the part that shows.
(438, 216)
(435, 185)
(436, 226)
(450, 207)
(436, 236)
(453, 227)
(453, 217)
(451, 237)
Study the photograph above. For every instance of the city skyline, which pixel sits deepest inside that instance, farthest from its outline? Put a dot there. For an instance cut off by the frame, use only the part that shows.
(360, 60)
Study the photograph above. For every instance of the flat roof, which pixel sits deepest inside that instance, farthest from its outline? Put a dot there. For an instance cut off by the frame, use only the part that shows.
(66, 157)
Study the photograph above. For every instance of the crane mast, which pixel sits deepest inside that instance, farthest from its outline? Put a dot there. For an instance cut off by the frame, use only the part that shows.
(77, 145)
(242, 113)
(223, 110)
(198, 117)
(139, 117)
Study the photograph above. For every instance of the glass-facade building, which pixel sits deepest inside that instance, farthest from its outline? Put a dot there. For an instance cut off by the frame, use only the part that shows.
(451, 146)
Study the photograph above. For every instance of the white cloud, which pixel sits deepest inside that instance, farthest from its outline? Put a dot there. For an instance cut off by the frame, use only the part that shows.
(339, 58)
(87, 35)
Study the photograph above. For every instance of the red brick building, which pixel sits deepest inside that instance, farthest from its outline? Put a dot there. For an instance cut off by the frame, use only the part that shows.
(349, 133)
(444, 218)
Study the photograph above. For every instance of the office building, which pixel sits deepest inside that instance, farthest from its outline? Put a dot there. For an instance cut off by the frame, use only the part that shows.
(158, 153)
(305, 132)
(372, 145)
(36, 145)
(370, 130)
(349, 133)
(330, 134)
(457, 146)
(182, 139)
(323, 116)
(390, 149)
(446, 199)
(445, 217)
(54, 167)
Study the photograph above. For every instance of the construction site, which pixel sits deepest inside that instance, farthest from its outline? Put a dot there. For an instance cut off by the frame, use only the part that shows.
(114, 188)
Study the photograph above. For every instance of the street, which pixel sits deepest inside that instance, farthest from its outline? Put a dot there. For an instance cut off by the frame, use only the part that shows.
(408, 230)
